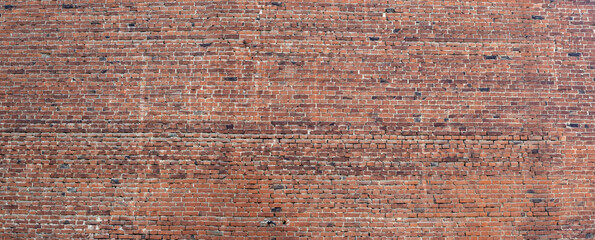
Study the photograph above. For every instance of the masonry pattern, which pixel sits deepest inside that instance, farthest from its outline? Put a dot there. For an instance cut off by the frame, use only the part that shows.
(297, 119)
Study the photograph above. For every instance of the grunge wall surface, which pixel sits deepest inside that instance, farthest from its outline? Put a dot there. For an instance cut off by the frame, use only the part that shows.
(297, 119)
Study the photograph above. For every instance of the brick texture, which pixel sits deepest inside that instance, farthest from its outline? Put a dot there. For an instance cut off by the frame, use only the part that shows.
(297, 119)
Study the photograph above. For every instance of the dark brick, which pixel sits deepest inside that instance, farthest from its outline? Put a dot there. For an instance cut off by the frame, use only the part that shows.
(374, 38)
(484, 89)
(18, 71)
(574, 54)
(67, 6)
(276, 209)
(215, 233)
(535, 17)
(389, 10)
(233, 79)
(534, 151)
(9, 7)
(490, 57)
(278, 4)
(419, 210)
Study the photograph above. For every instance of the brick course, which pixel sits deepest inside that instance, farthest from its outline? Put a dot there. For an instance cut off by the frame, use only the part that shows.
(297, 119)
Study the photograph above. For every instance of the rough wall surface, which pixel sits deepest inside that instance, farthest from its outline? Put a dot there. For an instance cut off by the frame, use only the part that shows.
(297, 119)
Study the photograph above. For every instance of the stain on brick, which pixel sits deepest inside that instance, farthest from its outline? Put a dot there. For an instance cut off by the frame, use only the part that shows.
(276, 209)
(536, 200)
(9, 7)
(267, 223)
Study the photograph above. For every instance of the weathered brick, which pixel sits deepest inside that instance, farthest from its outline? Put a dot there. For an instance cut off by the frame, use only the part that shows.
(296, 120)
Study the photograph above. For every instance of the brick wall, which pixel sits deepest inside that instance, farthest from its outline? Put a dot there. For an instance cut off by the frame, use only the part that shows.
(297, 119)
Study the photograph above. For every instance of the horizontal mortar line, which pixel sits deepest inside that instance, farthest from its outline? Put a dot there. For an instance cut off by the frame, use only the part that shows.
(148, 139)
(278, 136)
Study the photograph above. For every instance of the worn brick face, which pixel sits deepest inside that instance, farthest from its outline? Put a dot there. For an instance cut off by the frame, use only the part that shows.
(297, 119)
